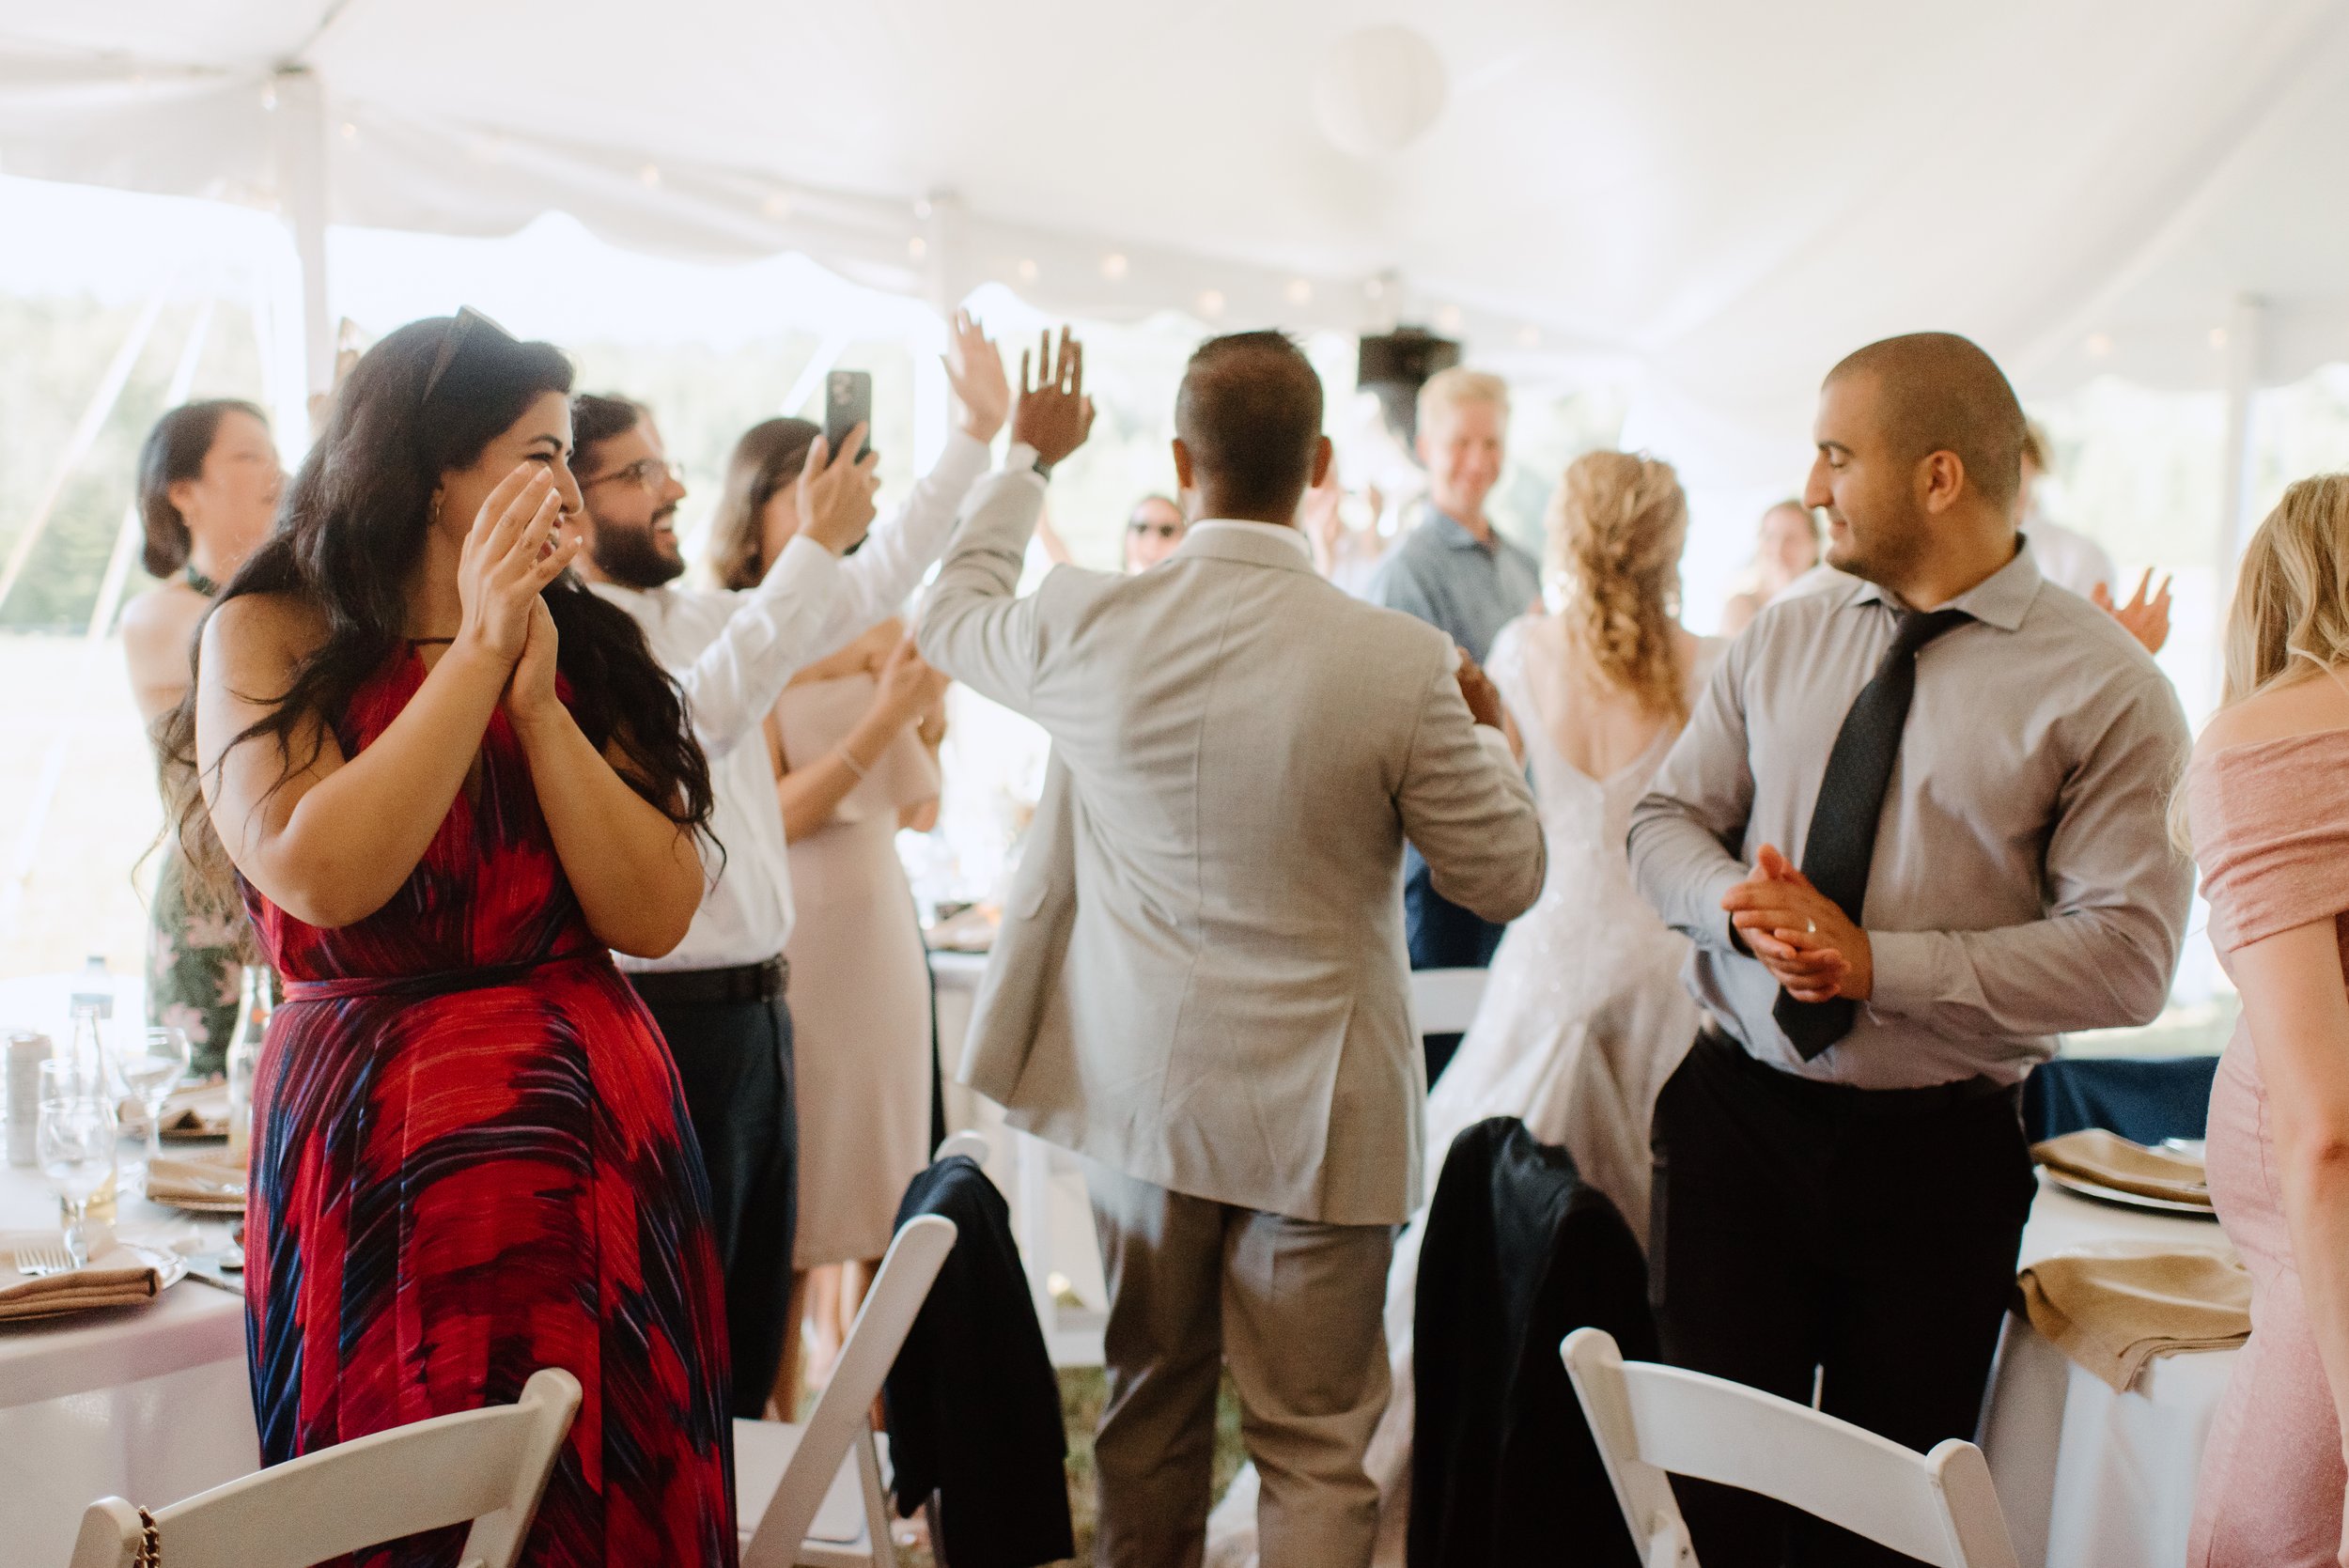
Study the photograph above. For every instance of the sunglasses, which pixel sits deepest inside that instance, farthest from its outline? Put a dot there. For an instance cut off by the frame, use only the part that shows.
(467, 318)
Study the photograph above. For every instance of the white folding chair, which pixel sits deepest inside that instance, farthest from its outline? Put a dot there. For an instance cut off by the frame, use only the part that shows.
(813, 1494)
(1651, 1422)
(488, 1466)
(1443, 1001)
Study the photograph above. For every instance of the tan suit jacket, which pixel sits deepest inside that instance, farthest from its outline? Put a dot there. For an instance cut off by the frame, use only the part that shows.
(1201, 980)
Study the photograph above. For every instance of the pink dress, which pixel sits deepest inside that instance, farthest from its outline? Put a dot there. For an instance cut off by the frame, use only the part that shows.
(2271, 829)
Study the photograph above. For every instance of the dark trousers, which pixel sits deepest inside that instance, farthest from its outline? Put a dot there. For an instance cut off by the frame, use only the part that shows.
(1441, 936)
(1866, 1238)
(734, 1060)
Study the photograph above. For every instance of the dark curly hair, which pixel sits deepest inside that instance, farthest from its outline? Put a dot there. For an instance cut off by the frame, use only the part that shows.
(354, 523)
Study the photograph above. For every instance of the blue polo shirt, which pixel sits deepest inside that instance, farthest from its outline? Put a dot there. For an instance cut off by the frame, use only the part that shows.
(1442, 575)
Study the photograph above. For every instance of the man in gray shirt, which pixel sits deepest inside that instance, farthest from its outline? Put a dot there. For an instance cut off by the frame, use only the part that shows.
(1456, 572)
(1915, 828)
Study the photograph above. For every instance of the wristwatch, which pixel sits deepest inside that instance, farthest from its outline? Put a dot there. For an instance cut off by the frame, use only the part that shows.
(1043, 470)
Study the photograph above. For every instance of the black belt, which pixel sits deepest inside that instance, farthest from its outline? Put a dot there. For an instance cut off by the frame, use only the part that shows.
(1847, 1098)
(765, 982)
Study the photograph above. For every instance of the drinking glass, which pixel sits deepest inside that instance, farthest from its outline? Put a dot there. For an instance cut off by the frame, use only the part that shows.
(152, 1070)
(75, 1139)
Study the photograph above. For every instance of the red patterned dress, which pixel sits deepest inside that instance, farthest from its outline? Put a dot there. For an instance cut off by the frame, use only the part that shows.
(470, 1161)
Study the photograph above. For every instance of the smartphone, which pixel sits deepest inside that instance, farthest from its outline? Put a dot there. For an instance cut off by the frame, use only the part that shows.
(847, 403)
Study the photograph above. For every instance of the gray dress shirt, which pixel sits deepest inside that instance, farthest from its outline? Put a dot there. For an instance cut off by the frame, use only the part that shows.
(1441, 574)
(2023, 881)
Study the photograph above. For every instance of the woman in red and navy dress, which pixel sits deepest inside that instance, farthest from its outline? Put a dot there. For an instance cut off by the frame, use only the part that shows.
(450, 781)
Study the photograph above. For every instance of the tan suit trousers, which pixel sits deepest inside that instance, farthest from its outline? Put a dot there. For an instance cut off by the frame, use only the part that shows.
(1294, 1308)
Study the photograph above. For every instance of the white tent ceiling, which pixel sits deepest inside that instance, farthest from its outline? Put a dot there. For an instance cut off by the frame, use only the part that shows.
(1714, 199)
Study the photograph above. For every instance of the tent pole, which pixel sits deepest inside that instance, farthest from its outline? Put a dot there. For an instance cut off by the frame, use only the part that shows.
(2246, 323)
(303, 198)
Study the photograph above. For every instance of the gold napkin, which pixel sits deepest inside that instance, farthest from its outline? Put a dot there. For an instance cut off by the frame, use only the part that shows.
(2113, 1306)
(201, 1181)
(2109, 1159)
(198, 1112)
(117, 1277)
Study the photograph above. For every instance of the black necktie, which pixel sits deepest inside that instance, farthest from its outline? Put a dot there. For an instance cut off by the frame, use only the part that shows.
(1842, 838)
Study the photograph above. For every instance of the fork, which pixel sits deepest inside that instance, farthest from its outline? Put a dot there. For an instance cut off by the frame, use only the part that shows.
(43, 1260)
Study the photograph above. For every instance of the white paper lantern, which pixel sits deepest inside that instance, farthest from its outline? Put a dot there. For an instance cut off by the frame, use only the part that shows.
(1378, 90)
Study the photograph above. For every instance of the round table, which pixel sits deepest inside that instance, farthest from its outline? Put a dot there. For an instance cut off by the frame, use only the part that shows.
(147, 1402)
(2088, 1478)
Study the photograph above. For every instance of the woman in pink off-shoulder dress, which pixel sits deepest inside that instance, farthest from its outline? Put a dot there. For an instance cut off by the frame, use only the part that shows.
(2268, 800)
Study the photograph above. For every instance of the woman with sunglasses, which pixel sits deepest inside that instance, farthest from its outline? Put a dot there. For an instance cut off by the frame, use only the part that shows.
(449, 780)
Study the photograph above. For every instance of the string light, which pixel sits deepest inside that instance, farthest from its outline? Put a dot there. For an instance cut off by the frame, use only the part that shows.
(1211, 303)
(1299, 292)
(350, 131)
(2098, 345)
(2219, 337)
(269, 95)
(1113, 265)
(777, 205)
(1449, 319)
(1026, 270)
(917, 247)
(1530, 336)
(649, 175)
(1374, 288)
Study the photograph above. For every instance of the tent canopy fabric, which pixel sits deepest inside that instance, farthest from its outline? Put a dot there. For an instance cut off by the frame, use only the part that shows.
(1714, 200)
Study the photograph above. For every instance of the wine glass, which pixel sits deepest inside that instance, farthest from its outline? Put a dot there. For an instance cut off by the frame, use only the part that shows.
(151, 1071)
(75, 1140)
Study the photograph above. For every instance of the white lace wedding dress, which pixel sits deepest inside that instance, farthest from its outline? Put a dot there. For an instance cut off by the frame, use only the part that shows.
(1582, 1021)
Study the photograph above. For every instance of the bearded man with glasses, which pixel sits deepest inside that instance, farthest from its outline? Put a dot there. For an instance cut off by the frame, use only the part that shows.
(718, 995)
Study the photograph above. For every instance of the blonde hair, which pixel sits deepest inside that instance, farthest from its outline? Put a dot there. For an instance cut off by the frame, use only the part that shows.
(1450, 389)
(1616, 526)
(2291, 609)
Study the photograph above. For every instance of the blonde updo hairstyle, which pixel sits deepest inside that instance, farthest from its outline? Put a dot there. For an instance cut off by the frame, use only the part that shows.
(2290, 611)
(1616, 526)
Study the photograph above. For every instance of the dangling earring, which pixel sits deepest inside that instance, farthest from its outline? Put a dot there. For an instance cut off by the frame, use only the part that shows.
(432, 519)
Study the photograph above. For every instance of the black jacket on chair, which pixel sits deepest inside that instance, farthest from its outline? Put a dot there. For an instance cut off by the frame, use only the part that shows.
(1517, 1251)
(973, 1406)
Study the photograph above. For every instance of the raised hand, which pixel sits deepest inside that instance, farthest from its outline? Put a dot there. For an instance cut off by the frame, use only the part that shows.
(975, 372)
(512, 551)
(836, 493)
(2145, 619)
(1053, 415)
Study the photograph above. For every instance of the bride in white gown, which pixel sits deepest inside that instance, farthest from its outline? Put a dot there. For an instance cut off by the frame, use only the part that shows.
(1584, 1015)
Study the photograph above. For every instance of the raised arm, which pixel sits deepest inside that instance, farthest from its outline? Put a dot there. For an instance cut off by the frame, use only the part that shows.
(1467, 807)
(330, 839)
(633, 869)
(974, 627)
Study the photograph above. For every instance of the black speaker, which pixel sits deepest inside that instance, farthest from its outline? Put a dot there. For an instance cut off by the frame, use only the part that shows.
(1396, 366)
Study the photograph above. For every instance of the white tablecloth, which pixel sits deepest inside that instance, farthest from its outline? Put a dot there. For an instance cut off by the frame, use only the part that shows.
(147, 1402)
(2090, 1478)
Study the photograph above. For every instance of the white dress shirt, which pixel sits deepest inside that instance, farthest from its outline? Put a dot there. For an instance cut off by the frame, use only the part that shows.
(734, 651)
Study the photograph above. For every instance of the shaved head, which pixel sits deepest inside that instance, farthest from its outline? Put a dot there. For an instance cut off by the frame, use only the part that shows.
(1937, 392)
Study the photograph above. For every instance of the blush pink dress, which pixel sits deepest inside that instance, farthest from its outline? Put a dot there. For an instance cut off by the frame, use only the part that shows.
(2271, 829)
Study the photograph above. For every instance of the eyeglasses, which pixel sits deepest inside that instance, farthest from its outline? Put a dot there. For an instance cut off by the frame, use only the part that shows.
(450, 341)
(649, 475)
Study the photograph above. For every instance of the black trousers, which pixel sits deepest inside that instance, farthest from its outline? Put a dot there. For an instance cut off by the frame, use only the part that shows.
(1866, 1238)
(734, 1060)
(1441, 936)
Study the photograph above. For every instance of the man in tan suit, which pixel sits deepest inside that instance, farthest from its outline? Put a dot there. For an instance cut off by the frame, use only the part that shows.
(1202, 985)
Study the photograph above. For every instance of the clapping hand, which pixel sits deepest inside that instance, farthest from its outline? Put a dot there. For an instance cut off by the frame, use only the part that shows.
(975, 372)
(2145, 619)
(1802, 936)
(512, 551)
(836, 493)
(909, 686)
(1053, 415)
